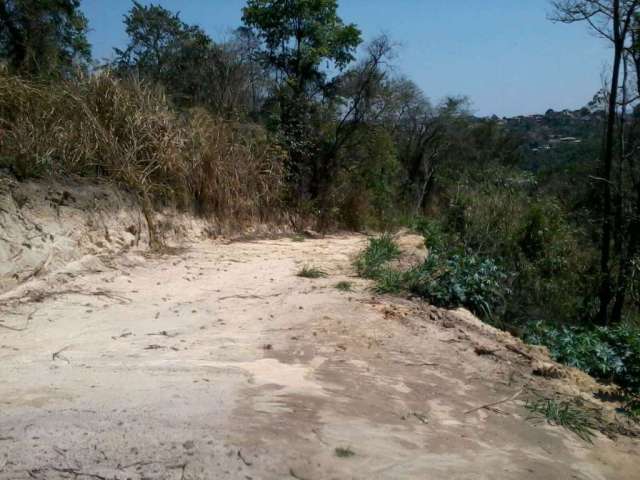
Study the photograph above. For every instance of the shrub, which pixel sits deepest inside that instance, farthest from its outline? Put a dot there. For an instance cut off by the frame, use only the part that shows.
(390, 281)
(460, 280)
(364, 192)
(380, 251)
(608, 353)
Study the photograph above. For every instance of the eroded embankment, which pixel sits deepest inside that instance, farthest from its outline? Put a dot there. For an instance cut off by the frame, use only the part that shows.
(45, 225)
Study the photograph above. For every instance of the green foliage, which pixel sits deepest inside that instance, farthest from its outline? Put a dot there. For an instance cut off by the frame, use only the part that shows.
(565, 414)
(381, 250)
(46, 38)
(446, 279)
(156, 35)
(182, 58)
(302, 42)
(501, 216)
(390, 281)
(365, 190)
(609, 353)
(435, 237)
(455, 280)
(311, 272)
(298, 36)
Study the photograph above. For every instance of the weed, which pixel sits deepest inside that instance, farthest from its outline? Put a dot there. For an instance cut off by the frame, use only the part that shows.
(565, 414)
(460, 280)
(431, 230)
(298, 238)
(344, 452)
(344, 286)
(380, 250)
(311, 272)
(609, 353)
(390, 281)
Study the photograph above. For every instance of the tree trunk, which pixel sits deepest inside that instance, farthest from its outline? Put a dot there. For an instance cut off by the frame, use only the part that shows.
(606, 293)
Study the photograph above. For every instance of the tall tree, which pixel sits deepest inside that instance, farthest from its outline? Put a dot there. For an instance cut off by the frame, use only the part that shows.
(43, 37)
(612, 20)
(160, 43)
(298, 37)
(193, 69)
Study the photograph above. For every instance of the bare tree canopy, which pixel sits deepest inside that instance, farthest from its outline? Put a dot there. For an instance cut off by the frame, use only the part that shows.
(609, 18)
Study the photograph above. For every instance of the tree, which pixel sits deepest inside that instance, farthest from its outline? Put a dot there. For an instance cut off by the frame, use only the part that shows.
(193, 69)
(43, 37)
(612, 20)
(298, 36)
(164, 49)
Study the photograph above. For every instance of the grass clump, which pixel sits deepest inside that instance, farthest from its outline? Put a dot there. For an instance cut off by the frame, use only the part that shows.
(565, 414)
(344, 452)
(127, 132)
(298, 238)
(381, 250)
(344, 286)
(391, 281)
(311, 272)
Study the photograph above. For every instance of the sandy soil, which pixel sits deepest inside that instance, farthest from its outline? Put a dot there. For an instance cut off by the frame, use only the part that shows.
(219, 362)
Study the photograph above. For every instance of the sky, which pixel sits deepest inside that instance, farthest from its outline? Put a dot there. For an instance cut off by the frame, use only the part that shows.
(505, 55)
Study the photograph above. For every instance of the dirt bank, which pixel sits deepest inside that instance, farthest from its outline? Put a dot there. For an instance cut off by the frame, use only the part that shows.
(219, 362)
(45, 225)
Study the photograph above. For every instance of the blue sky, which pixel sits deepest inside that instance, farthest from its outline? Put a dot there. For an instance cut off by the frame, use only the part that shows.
(504, 54)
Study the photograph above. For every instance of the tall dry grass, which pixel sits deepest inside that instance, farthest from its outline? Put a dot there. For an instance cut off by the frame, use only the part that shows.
(128, 132)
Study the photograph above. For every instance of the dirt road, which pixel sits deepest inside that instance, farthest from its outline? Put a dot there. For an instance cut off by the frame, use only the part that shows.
(219, 362)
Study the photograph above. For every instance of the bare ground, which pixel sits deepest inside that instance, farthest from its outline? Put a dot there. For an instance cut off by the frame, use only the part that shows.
(219, 362)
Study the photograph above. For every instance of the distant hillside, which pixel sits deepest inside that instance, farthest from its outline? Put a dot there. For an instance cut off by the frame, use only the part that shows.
(557, 139)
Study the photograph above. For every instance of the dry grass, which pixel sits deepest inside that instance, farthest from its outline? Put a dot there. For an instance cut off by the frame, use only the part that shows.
(128, 132)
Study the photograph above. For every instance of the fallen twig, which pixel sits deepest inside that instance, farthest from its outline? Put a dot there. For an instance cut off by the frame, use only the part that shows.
(421, 364)
(249, 296)
(56, 355)
(245, 461)
(38, 296)
(519, 351)
(77, 473)
(488, 405)
(164, 333)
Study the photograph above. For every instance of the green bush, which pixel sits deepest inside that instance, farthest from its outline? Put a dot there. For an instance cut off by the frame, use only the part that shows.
(608, 353)
(365, 190)
(478, 284)
(370, 263)
(433, 232)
